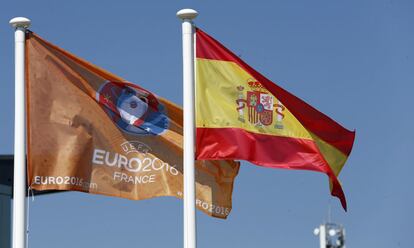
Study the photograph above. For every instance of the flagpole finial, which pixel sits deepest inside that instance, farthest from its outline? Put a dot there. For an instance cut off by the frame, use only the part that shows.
(20, 22)
(187, 14)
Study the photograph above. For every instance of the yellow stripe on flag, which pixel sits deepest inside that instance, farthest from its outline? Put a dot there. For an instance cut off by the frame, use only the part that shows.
(218, 81)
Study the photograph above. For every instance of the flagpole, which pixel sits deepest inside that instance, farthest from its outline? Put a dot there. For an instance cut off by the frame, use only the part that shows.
(20, 24)
(187, 15)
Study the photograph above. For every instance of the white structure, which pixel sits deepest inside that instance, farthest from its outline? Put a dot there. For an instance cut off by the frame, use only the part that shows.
(20, 24)
(331, 235)
(187, 15)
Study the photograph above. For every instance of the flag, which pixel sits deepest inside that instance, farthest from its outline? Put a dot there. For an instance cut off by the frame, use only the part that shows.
(240, 114)
(91, 131)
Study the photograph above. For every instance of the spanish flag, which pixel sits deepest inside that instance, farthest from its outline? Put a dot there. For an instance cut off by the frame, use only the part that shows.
(242, 115)
(92, 131)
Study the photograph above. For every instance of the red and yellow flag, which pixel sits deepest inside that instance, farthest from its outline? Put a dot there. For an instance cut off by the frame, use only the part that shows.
(90, 131)
(240, 114)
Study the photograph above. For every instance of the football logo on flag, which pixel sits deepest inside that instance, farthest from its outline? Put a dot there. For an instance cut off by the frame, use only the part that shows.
(133, 109)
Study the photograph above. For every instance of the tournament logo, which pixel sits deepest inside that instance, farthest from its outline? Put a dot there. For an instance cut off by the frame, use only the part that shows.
(134, 110)
(260, 106)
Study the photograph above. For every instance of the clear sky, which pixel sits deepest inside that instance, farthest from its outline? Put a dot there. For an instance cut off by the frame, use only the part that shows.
(353, 60)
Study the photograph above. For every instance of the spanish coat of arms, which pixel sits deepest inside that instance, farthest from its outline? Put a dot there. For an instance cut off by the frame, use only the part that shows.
(260, 105)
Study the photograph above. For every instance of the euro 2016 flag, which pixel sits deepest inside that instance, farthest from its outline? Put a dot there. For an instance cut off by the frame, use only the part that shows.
(90, 131)
(253, 119)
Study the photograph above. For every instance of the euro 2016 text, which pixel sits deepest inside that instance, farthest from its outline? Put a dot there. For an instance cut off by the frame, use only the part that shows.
(64, 180)
(134, 165)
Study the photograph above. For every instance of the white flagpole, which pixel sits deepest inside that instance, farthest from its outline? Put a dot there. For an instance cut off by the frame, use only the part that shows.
(19, 186)
(187, 15)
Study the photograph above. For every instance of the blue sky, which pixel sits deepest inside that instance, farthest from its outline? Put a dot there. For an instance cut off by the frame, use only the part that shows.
(353, 60)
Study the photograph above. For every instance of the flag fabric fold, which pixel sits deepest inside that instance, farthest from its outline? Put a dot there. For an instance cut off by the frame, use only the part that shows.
(91, 131)
(240, 114)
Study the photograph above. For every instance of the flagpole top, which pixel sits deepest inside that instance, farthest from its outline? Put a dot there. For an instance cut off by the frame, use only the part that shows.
(187, 14)
(20, 22)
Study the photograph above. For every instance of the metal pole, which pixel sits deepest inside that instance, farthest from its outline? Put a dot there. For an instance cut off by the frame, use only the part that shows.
(322, 236)
(19, 187)
(187, 15)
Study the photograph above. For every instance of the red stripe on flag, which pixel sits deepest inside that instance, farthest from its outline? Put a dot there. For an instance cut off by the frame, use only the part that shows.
(316, 122)
(264, 150)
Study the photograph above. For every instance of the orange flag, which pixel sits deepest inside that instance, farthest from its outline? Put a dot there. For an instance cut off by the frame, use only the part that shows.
(90, 131)
(253, 119)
